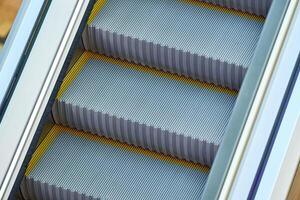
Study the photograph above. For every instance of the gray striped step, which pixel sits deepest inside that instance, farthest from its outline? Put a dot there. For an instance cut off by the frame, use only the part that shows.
(145, 107)
(73, 165)
(257, 7)
(199, 41)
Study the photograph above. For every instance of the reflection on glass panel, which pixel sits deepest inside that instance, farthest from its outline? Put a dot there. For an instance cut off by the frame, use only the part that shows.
(8, 12)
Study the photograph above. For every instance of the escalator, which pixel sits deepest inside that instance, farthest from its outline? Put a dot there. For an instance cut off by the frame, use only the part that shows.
(144, 108)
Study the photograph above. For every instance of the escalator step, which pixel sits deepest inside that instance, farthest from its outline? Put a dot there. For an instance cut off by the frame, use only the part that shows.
(71, 165)
(190, 38)
(257, 7)
(145, 107)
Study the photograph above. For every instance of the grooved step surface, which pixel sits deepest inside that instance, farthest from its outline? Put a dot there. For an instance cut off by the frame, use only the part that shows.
(184, 37)
(257, 7)
(75, 165)
(145, 107)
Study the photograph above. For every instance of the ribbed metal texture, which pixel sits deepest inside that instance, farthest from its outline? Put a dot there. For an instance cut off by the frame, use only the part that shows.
(36, 190)
(150, 111)
(75, 167)
(257, 7)
(176, 36)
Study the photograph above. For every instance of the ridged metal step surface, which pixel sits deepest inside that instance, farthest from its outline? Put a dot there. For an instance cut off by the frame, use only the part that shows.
(257, 7)
(152, 109)
(69, 165)
(190, 38)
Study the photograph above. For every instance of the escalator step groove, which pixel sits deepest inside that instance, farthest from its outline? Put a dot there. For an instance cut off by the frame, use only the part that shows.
(145, 107)
(190, 38)
(257, 7)
(70, 164)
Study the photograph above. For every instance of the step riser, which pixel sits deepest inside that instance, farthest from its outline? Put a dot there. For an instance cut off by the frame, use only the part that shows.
(205, 42)
(173, 60)
(141, 135)
(71, 164)
(183, 119)
(257, 7)
(36, 190)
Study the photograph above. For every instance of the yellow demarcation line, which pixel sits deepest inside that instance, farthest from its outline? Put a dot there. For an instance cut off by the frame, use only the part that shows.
(96, 9)
(88, 56)
(225, 10)
(100, 3)
(56, 130)
(72, 74)
(40, 151)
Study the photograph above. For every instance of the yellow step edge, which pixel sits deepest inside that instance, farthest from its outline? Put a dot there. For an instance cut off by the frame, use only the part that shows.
(96, 9)
(41, 149)
(56, 130)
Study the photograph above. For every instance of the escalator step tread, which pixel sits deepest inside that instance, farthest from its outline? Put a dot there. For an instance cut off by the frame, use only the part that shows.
(257, 7)
(146, 107)
(190, 38)
(70, 164)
